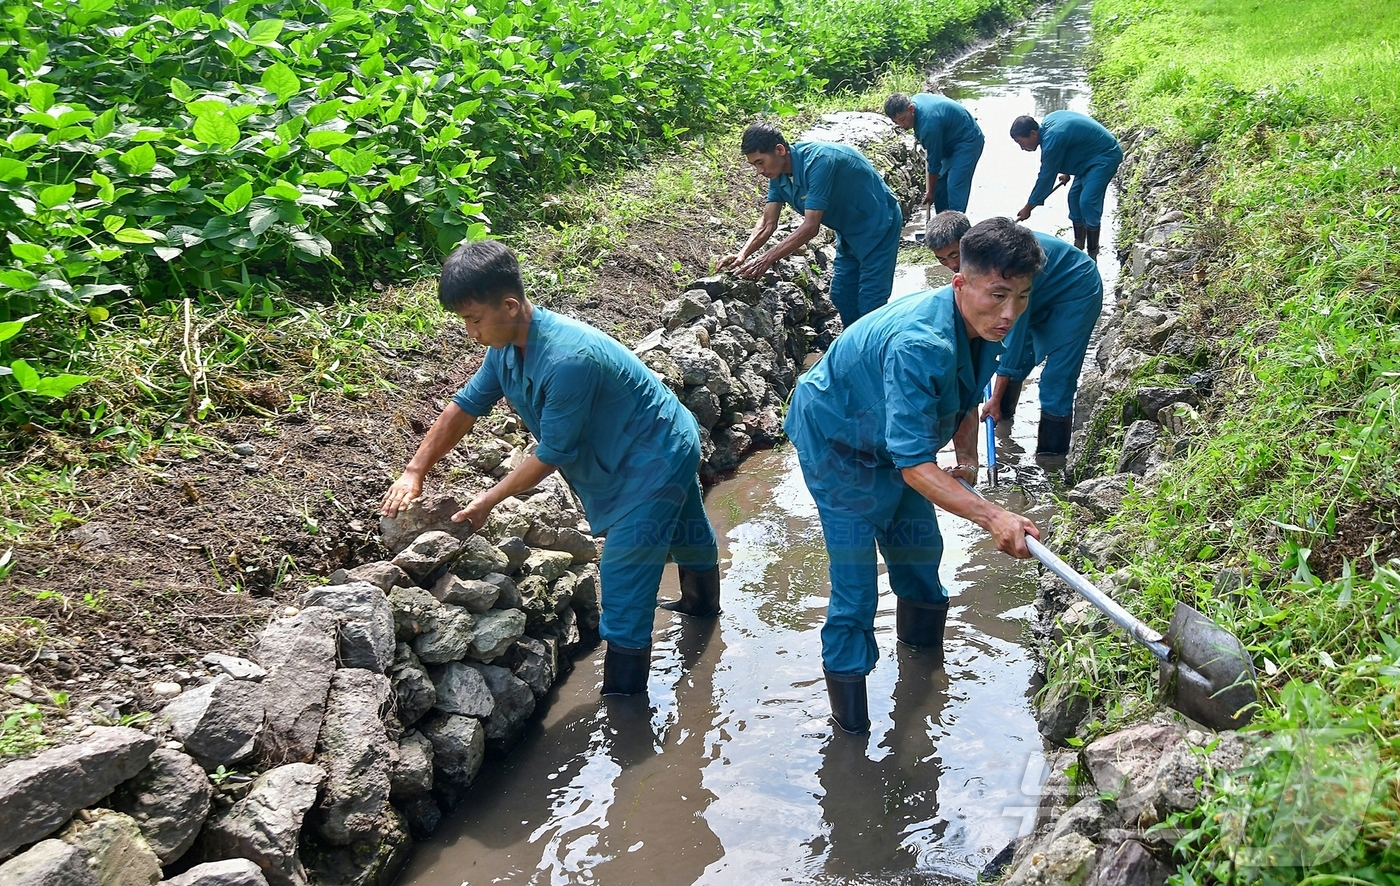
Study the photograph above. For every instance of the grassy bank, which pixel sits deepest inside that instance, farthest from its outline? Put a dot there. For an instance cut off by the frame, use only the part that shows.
(1295, 485)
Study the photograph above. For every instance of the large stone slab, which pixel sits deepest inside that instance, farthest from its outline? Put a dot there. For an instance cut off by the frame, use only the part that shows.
(41, 793)
(366, 623)
(116, 851)
(449, 638)
(49, 863)
(429, 555)
(1124, 764)
(459, 746)
(229, 872)
(219, 722)
(514, 705)
(265, 826)
(355, 752)
(422, 515)
(495, 632)
(472, 594)
(299, 654)
(412, 771)
(169, 801)
(462, 690)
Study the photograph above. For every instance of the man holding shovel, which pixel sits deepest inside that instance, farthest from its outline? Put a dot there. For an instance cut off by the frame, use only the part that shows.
(626, 445)
(952, 141)
(1066, 298)
(868, 421)
(832, 185)
(1075, 146)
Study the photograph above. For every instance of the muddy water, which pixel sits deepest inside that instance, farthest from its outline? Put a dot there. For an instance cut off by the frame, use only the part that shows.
(729, 771)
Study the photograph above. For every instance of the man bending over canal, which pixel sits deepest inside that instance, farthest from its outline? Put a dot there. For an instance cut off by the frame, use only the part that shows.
(952, 140)
(1066, 297)
(1075, 146)
(868, 421)
(832, 185)
(619, 436)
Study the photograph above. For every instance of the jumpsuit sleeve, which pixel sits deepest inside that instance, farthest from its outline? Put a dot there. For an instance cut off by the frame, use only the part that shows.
(1050, 156)
(916, 379)
(569, 394)
(483, 390)
(931, 137)
(1018, 358)
(820, 172)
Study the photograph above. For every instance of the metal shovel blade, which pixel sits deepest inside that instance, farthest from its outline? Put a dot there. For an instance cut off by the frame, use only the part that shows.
(1210, 677)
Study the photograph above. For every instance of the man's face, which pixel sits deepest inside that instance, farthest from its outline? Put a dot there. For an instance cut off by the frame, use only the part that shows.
(494, 326)
(990, 303)
(771, 164)
(1028, 142)
(904, 119)
(950, 256)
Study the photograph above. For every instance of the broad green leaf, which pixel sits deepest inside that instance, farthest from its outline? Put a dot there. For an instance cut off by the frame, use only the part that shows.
(92, 290)
(56, 195)
(105, 123)
(216, 129)
(57, 386)
(97, 313)
(113, 223)
(265, 31)
(283, 190)
(327, 179)
(586, 117)
(244, 240)
(322, 139)
(18, 278)
(25, 375)
(23, 141)
(419, 112)
(372, 67)
(292, 128)
(180, 90)
(239, 197)
(259, 220)
(168, 253)
(281, 80)
(10, 329)
(29, 253)
(133, 237)
(12, 170)
(40, 95)
(139, 160)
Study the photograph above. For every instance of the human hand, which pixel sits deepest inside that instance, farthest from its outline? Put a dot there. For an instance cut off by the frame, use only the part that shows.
(1009, 531)
(755, 267)
(401, 494)
(1063, 180)
(476, 512)
(991, 408)
(1025, 212)
(928, 198)
(964, 471)
(727, 262)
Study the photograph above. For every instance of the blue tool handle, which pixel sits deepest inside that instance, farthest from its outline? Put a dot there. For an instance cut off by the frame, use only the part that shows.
(991, 439)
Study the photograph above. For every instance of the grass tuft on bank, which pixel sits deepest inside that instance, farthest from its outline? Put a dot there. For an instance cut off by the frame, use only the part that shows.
(1283, 520)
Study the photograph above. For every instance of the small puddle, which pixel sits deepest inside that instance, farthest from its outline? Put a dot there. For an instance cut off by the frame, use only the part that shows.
(730, 771)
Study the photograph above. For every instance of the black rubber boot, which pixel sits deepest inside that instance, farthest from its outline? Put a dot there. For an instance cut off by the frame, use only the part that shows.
(1053, 437)
(625, 669)
(1009, 398)
(920, 625)
(699, 593)
(848, 704)
(1093, 248)
(1081, 232)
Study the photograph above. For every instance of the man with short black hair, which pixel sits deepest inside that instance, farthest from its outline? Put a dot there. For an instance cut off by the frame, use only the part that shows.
(951, 139)
(868, 421)
(1076, 146)
(626, 445)
(832, 185)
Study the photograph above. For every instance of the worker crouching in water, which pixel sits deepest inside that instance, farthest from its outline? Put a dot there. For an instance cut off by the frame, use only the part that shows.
(626, 445)
(868, 421)
(1066, 298)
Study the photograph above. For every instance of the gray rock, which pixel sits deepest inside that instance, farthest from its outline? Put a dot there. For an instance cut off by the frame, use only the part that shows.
(229, 872)
(265, 826)
(219, 722)
(495, 632)
(537, 666)
(428, 555)
(355, 751)
(1079, 617)
(117, 853)
(514, 705)
(692, 304)
(1064, 861)
(366, 623)
(422, 515)
(480, 558)
(422, 814)
(1060, 713)
(569, 629)
(233, 666)
(1151, 400)
(450, 637)
(664, 367)
(473, 594)
(1130, 865)
(1102, 496)
(582, 548)
(702, 366)
(1124, 764)
(414, 693)
(537, 603)
(548, 565)
(1101, 547)
(299, 654)
(1087, 818)
(1121, 368)
(49, 863)
(459, 745)
(1185, 768)
(415, 612)
(169, 801)
(371, 862)
(382, 574)
(585, 596)
(703, 404)
(541, 534)
(507, 594)
(1140, 447)
(515, 551)
(40, 793)
(462, 690)
(412, 770)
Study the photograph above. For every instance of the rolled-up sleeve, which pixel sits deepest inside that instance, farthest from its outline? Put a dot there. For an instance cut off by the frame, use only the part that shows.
(569, 395)
(914, 373)
(483, 390)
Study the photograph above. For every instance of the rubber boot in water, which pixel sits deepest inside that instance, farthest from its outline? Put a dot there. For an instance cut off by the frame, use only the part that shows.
(1053, 438)
(1093, 248)
(1010, 396)
(1081, 231)
(625, 669)
(848, 704)
(699, 593)
(920, 625)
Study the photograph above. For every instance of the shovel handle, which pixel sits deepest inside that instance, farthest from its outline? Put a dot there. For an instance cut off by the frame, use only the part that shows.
(1140, 632)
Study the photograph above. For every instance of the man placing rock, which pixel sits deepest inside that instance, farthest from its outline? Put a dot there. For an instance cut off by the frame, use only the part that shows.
(626, 445)
(952, 140)
(832, 185)
(1075, 146)
(868, 421)
(1066, 298)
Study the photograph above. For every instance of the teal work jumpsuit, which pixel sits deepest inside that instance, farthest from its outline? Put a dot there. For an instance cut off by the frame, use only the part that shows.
(1077, 144)
(953, 142)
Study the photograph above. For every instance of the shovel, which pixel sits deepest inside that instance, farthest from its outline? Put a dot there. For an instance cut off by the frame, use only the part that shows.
(991, 439)
(1204, 670)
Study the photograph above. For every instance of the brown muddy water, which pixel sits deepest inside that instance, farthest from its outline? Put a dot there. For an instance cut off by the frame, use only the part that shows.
(729, 771)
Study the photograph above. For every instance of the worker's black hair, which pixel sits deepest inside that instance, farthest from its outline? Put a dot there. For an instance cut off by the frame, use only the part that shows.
(897, 104)
(1000, 246)
(945, 229)
(484, 272)
(761, 138)
(1023, 126)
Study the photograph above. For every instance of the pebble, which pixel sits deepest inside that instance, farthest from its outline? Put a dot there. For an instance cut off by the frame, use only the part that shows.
(290, 611)
(244, 449)
(165, 690)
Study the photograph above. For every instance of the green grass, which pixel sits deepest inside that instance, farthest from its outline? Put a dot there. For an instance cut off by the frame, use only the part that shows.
(1295, 485)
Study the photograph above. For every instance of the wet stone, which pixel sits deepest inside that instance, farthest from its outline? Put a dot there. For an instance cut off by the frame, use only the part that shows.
(462, 689)
(415, 612)
(412, 771)
(495, 631)
(515, 551)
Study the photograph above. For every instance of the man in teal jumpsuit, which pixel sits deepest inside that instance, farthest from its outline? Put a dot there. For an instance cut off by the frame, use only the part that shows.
(626, 445)
(1066, 298)
(952, 140)
(832, 185)
(1073, 145)
(868, 421)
